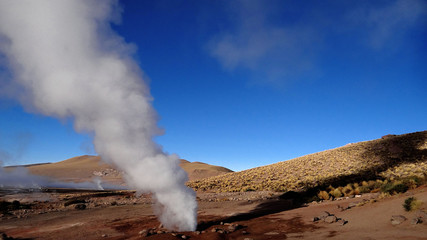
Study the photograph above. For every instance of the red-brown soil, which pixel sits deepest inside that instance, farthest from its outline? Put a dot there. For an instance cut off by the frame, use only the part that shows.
(250, 215)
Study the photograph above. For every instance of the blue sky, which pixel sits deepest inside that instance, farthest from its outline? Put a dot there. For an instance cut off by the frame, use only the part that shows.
(248, 83)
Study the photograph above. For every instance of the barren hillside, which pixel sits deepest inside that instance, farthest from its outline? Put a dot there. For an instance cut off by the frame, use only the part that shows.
(84, 168)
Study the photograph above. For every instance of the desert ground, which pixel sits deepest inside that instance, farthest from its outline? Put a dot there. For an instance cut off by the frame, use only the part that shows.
(59, 214)
(357, 191)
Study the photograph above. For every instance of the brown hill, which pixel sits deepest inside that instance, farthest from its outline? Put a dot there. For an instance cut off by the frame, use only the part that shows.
(84, 168)
(199, 170)
(391, 157)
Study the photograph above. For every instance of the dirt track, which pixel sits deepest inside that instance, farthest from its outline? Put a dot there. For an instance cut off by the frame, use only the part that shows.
(252, 215)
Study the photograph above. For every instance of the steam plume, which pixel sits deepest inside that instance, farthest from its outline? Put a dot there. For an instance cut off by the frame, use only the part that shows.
(69, 63)
(21, 178)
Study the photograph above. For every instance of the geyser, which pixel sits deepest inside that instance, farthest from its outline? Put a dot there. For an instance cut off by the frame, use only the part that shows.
(67, 62)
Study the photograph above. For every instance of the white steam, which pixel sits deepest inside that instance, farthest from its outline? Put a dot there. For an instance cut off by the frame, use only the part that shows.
(21, 178)
(69, 63)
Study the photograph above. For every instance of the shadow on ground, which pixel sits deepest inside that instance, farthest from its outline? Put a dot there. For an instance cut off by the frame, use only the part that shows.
(390, 151)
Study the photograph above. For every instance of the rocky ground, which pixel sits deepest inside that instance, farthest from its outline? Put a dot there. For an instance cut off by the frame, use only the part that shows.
(77, 214)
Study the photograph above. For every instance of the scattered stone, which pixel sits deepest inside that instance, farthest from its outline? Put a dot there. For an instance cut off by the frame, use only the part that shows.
(80, 206)
(416, 221)
(324, 215)
(397, 219)
(342, 222)
(248, 239)
(143, 232)
(160, 225)
(104, 235)
(330, 219)
(315, 219)
(244, 232)
(233, 227)
(184, 237)
(341, 208)
(214, 230)
(271, 233)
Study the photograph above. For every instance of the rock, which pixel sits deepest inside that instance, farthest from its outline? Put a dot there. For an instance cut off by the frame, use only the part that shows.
(271, 233)
(80, 206)
(323, 215)
(330, 219)
(315, 219)
(397, 219)
(233, 227)
(416, 221)
(184, 237)
(342, 222)
(248, 239)
(143, 232)
(214, 230)
(104, 235)
(342, 209)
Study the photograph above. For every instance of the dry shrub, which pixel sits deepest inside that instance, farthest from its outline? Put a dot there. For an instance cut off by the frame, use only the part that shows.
(412, 204)
(348, 190)
(323, 195)
(336, 193)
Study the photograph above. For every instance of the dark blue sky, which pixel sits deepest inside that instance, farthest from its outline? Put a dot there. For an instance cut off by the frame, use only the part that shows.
(249, 83)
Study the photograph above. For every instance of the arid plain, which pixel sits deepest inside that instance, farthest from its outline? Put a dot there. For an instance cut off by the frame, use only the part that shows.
(368, 190)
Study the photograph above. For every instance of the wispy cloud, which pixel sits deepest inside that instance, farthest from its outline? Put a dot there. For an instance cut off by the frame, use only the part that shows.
(386, 25)
(273, 52)
(278, 42)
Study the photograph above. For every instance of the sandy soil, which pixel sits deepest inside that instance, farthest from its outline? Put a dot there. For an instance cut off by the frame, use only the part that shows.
(251, 215)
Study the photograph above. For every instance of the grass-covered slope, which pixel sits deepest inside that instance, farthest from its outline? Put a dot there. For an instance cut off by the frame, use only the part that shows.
(391, 157)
